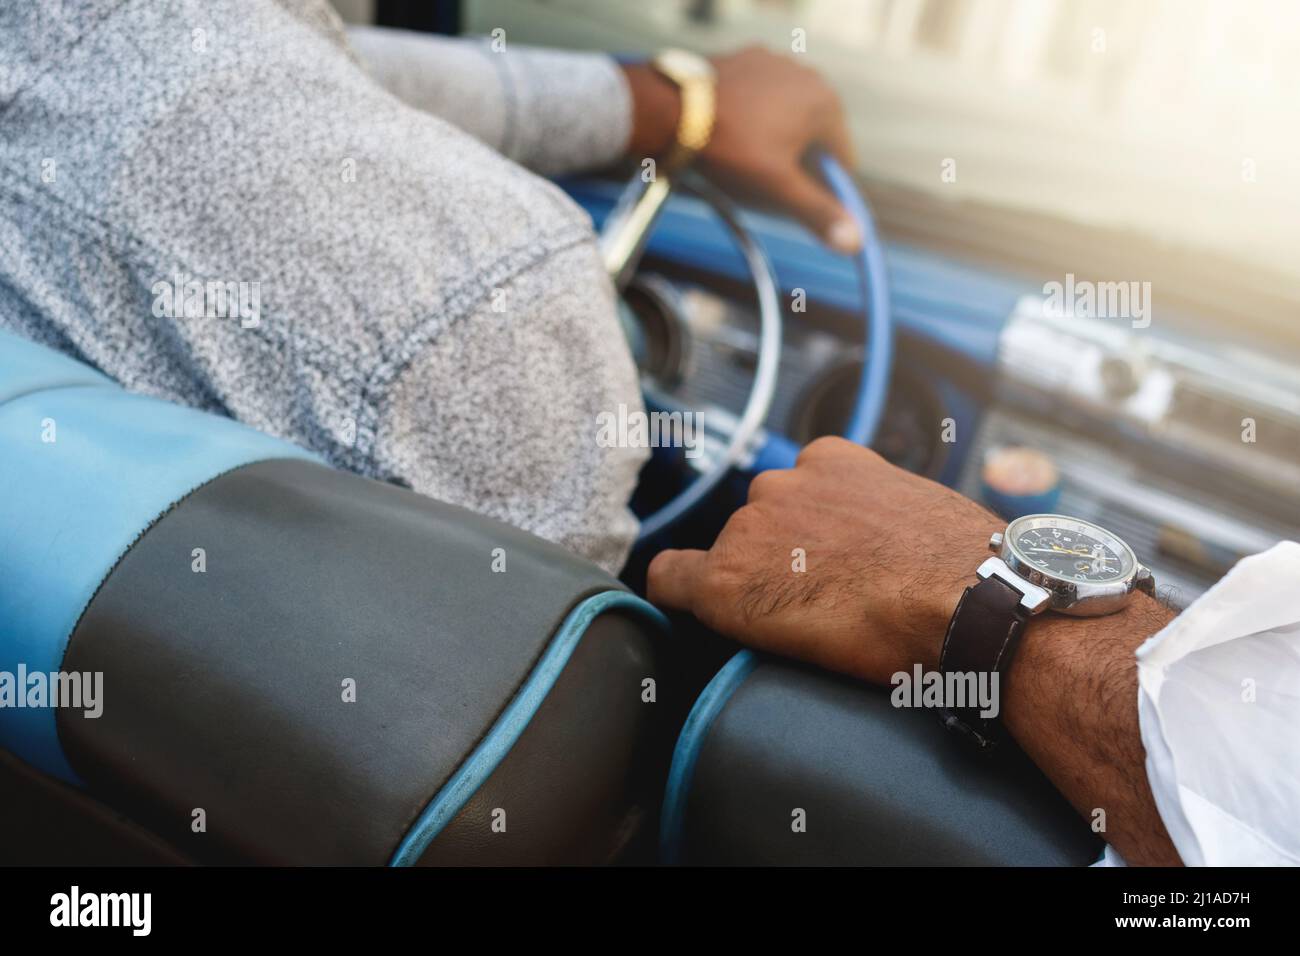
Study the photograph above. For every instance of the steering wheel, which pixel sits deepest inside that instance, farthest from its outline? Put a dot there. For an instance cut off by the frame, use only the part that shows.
(623, 239)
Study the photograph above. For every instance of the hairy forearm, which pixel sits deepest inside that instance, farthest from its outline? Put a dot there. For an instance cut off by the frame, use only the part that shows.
(1070, 699)
(1071, 702)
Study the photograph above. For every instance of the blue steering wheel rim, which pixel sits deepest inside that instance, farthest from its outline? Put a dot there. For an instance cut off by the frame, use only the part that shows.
(868, 409)
(873, 384)
(873, 284)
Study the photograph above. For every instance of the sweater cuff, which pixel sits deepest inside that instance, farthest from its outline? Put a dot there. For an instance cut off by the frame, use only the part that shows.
(564, 111)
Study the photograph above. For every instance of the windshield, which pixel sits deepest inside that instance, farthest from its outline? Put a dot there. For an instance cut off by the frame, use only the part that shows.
(1173, 120)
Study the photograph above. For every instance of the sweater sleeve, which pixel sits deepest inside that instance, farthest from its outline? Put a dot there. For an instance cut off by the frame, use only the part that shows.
(554, 112)
(500, 411)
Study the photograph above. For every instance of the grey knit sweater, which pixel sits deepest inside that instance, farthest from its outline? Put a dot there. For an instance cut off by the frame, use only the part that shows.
(391, 289)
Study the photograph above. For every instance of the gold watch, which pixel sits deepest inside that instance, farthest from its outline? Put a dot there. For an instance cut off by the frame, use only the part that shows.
(695, 77)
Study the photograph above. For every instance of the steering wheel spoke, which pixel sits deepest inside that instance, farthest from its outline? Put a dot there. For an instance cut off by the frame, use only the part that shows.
(730, 440)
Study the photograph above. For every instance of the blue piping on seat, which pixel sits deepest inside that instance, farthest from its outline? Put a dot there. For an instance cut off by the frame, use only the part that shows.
(687, 752)
(509, 727)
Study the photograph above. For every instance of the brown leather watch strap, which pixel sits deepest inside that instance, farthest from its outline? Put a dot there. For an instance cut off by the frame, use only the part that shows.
(982, 638)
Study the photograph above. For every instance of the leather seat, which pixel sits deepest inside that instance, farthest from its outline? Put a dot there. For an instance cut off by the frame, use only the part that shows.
(784, 765)
(299, 666)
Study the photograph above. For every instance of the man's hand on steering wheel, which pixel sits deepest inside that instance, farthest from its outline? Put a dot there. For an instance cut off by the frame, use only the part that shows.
(850, 563)
(770, 111)
(844, 561)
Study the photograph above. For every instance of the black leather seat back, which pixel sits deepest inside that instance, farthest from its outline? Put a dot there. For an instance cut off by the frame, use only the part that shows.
(344, 671)
(803, 768)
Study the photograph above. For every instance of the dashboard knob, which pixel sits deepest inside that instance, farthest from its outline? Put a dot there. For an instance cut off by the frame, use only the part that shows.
(1016, 480)
(1119, 377)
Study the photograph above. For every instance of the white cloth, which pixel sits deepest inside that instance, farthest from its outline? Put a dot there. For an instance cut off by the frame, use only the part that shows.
(1219, 708)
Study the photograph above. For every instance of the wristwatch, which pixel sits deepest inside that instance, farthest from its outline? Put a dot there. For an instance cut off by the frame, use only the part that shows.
(1043, 563)
(695, 77)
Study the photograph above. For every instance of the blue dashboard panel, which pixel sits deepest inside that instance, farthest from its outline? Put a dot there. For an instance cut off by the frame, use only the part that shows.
(85, 468)
(960, 308)
(954, 305)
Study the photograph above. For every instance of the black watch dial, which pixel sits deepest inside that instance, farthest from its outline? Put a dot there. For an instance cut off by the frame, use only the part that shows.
(1070, 549)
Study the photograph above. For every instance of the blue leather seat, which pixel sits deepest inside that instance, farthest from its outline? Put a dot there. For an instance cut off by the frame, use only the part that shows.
(295, 665)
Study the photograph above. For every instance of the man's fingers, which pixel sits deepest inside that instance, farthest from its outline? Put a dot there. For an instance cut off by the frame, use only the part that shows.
(834, 136)
(674, 578)
(813, 203)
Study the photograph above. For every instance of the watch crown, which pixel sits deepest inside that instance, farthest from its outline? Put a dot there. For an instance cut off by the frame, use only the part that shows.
(995, 542)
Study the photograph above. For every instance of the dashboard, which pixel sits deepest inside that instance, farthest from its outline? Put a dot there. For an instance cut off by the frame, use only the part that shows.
(1189, 450)
(1187, 447)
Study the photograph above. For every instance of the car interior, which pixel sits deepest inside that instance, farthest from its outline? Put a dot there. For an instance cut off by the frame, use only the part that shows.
(553, 702)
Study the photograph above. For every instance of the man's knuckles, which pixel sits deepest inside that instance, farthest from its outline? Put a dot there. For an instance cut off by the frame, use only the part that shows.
(832, 448)
(771, 484)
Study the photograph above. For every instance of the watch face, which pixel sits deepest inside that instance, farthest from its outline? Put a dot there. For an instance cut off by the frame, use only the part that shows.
(1070, 549)
(682, 65)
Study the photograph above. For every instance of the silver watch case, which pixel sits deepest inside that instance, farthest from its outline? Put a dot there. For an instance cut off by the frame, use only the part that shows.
(1046, 592)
